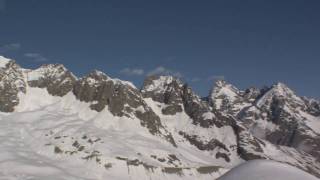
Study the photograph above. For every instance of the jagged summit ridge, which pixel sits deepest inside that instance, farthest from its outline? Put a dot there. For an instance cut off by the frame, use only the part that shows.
(279, 91)
(165, 124)
(57, 79)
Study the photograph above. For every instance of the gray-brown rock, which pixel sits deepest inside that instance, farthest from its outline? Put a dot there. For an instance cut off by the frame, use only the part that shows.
(54, 77)
(121, 98)
(11, 84)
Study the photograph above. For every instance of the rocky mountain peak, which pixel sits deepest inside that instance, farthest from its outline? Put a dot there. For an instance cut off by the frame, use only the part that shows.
(61, 67)
(121, 98)
(49, 70)
(11, 84)
(163, 89)
(97, 77)
(313, 106)
(251, 94)
(280, 92)
(281, 89)
(4, 61)
(56, 78)
(96, 74)
(224, 97)
(160, 84)
(223, 88)
(220, 83)
(94, 78)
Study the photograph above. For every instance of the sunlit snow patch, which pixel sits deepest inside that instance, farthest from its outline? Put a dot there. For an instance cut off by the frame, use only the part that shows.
(266, 170)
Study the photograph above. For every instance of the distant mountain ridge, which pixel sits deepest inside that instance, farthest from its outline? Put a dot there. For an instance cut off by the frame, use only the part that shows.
(170, 130)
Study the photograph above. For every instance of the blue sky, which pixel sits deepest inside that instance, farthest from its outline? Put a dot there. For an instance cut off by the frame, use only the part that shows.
(249, 43)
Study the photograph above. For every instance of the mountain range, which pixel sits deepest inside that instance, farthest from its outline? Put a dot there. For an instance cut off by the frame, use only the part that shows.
(55, 125)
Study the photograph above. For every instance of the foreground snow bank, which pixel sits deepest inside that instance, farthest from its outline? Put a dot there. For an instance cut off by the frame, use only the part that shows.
(266, 170)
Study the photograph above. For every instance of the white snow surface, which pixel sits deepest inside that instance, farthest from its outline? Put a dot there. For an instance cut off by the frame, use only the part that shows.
(38, 141)
(311, 121)
(4, 61)
(266, 170)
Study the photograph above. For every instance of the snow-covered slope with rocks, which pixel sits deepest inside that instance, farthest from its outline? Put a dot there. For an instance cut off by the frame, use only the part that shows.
(57, 126)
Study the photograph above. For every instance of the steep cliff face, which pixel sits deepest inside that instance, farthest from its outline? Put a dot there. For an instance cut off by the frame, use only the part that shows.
(313, 106)
(205, 129)
(164, 89)
(54, 77)
(121, 98)
(11, 84)
(165, 128)
(226, 98)
(272, 116)
(283, 118)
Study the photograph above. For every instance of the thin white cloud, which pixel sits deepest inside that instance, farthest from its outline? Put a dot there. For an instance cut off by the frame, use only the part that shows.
(10, 47)
(216, 77)
(132, 71)
(170, 58)
(36, 57)
(195, 79)
(164, 71)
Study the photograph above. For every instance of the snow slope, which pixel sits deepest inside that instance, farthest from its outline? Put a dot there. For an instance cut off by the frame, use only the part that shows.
(62, 138)
(3, 61)
(266, 170)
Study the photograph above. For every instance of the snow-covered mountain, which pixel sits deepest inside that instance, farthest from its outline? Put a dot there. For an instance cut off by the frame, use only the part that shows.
(58, 126)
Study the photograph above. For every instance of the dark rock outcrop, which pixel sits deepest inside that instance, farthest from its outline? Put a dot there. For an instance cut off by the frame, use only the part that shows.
(164, 89)
(178, 97)
(11, 84)
(54, 77)
(175, 95)
(121, 98)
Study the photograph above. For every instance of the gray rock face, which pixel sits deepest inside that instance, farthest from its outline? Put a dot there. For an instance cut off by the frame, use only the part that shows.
(178, 97)
(196, 108)
(227, 99)
(249, 147)
(11, 83)
(211, 145)
(287, 114)
(104, 91)
(121, 98)
(54, 77)
(285, 111)
(273, 114)
(172, 93)
(252, 94)
(164, 89)
(313, 106)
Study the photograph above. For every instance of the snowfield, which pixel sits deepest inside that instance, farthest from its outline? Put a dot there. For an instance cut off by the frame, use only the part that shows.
(266, 170)
(58, 138)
